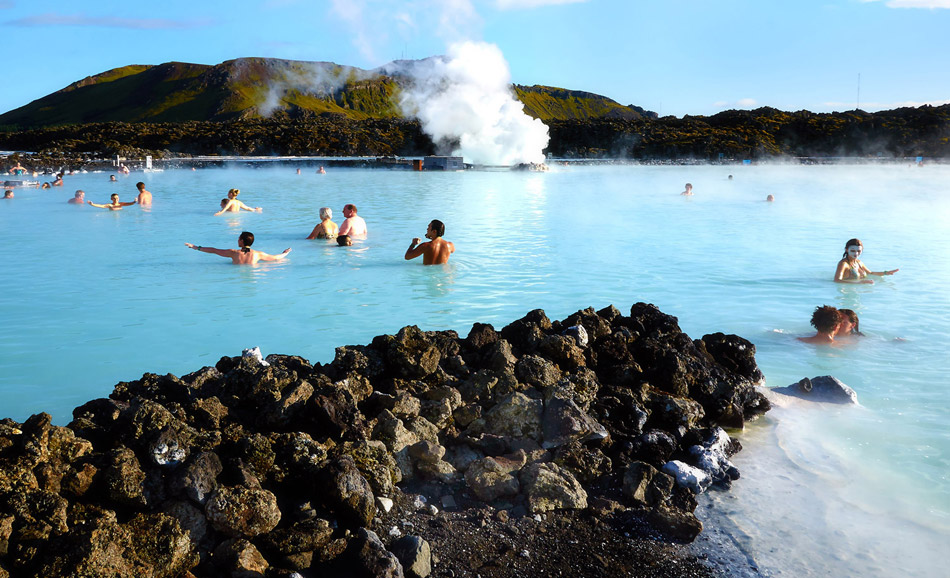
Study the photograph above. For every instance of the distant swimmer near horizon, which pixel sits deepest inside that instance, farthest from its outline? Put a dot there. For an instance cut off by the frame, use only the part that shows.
(8, 194)
(244, 255)
(436, 251)
(115, 205)
(235, 206)
(689, 191)
(851, 269)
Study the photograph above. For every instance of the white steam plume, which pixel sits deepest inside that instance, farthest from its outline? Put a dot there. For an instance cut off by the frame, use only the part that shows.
(466, 100)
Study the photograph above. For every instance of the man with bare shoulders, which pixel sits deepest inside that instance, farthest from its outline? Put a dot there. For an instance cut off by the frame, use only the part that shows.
(79, 198)
(114, 205)
(353, 225)
(244, 255)
(436, 251)
(826, 320)
(145, 197)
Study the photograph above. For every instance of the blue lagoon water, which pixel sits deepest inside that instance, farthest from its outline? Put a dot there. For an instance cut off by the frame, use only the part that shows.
(90, 297)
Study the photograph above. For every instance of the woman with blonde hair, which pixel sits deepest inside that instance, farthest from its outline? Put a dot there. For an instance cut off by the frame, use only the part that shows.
(325, 229)
(234, 205)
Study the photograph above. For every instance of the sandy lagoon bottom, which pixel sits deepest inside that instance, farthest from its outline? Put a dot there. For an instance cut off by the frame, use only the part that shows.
(89, 298)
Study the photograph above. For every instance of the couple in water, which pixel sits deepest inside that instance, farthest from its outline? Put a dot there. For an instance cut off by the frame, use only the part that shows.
(233, 205)
(353, 224)
(832, 326)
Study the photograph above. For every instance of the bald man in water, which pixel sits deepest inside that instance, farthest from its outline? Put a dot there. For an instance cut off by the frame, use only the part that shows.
(436, 251)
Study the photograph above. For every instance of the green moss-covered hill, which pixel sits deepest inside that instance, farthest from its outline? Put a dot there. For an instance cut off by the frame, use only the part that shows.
(248, 88)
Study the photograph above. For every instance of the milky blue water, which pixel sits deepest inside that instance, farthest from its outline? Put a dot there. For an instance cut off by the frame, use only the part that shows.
(90, 297)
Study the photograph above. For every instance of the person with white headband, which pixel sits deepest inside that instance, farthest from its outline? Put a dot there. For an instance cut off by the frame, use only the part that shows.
(851, 269)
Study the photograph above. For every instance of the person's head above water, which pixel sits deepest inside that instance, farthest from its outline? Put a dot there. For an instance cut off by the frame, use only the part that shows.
(140, 186)
(326, 213)
(8, 194)
(853, 249)
(825, 318)
(770, 198)
(111, 177)
(245, 240)
(849, 322)
(233, 193)
(437, 227)
(344, 241)
(349, 210)
(114, 197)
(224, 203)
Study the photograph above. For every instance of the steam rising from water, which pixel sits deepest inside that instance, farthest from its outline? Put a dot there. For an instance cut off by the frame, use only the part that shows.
(319, 79)
(466, 104)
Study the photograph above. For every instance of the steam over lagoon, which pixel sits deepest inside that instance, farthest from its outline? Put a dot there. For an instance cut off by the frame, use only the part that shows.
(93, 297)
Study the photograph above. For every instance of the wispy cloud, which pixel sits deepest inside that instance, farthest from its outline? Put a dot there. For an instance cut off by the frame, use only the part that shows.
(6, 5)
(81, 20)
(520, 4)
(930, 4)
(872, 106)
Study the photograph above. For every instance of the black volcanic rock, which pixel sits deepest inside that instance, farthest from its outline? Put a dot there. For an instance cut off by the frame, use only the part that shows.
(251, 469)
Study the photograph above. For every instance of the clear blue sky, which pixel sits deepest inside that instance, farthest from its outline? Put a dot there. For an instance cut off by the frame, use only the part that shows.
(671, 56)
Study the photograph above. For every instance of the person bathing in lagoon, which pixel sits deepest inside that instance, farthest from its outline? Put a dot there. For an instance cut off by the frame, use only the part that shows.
(8, 194)
(849, 324)
(344, 240)
(243, 255)
(234, 205)
(115, 205)
(144, 197)
(770, 198)
(689, 191)
(851, 269)
(353, 225)
(78, 199)
(112, 179)
(826, 320)
(58, 182)
(325, 229)
(45, 186)
(436, 251)
(321, 171)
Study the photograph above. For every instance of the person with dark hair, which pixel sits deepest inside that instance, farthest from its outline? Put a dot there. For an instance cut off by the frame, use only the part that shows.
(851, 269)
(8, 194)
(144, 197)
(689, 190)
(344, 240)
(352, 225)
(114, 205)
(849, 324)
(243, 255)
(436, 251)
(826, 320)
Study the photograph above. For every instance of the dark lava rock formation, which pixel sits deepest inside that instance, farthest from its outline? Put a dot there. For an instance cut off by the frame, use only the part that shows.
(569, 446)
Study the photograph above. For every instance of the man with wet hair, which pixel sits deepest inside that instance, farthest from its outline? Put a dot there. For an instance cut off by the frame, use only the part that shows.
(114, 205)
(144, 197)
(826, 320)
(243, 255)
(353, 225)
(436, 251)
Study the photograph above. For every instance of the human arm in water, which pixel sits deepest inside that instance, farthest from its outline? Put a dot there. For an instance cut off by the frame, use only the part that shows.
(317, 230)
(266, 257)
(222, 252)
(235, 206)
(416, 248)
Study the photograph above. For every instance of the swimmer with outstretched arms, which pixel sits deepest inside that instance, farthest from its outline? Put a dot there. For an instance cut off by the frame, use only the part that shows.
(436, 251)
(244, 255)
(851, 269)
(235, 206)
(115, 205)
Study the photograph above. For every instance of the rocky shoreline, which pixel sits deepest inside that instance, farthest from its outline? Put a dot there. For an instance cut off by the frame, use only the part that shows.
(572, 447)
